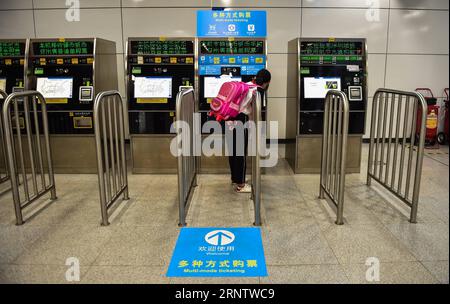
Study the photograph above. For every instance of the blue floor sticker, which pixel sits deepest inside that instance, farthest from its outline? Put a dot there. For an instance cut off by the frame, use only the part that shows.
(218, 252)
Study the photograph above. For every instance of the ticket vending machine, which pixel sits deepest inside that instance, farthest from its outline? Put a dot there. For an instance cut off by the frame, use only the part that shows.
(237, 58)
(321, 65)
(12, 71)
(157, 68)
(69, 73)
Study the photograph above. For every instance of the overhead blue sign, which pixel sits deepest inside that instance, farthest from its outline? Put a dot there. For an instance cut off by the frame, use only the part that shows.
(231, 24)
(218, 252)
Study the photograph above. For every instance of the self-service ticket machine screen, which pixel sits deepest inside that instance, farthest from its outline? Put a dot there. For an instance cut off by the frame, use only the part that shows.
(331, 65)
(224, 59)
(70, 73)
(156, 70)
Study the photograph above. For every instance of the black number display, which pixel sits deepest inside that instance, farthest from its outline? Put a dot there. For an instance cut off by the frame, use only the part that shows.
(157, 47)
(9, 49)
(331, 48)
(63, 48)
(232, 47)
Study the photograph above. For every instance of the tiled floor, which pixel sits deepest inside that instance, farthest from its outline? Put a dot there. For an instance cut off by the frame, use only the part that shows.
(302, 244)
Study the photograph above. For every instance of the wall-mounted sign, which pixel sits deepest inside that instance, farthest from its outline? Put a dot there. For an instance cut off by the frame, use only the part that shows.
(231, 24)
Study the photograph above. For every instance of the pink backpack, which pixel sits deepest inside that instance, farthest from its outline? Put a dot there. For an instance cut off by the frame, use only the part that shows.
(228, 102)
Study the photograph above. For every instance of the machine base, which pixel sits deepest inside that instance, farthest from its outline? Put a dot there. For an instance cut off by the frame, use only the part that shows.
(304, 156)
(151, 154)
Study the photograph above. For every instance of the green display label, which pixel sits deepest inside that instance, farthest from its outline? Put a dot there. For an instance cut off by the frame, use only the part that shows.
(8, 49)
(232, 47)
(38, 71)
(136, 70)
(157, 47)
(63, 48)
(304, 71)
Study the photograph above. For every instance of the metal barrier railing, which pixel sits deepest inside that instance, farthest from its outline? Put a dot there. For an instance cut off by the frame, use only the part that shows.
(110, 144)
(334, 150)
(33, 143)
(4, 175)
(383, 164)
(256, 168)
(187, 161)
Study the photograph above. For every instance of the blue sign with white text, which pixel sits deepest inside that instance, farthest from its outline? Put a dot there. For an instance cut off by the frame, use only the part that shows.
(218, 252)
(231, 24)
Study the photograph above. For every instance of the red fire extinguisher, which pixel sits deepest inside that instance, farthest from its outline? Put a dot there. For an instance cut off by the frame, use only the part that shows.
(443, 137)
(432, 117)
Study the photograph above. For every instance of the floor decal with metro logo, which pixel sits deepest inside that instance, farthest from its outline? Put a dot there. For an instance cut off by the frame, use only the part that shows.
(218, 252)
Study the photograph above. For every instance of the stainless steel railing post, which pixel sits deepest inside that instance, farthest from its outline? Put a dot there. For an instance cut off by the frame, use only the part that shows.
(334, 150)
(256, 163)
(34, 150)
(187, 164)
(4, 176)
(110, 146)
(399, 184)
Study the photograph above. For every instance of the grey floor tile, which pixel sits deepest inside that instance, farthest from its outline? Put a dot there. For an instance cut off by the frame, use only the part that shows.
(151, 212)
(354, 244)
(390, 273)
(17, 240)
(427, 242)
(296, 244)
(439, 269)
(305, 274)
(140, 245)
(39, 274)
(62, 242)
(125, 275)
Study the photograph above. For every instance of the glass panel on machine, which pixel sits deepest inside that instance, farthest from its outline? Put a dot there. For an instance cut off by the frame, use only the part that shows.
(213, 84)
(153, 87)
(57, 87)
(318, 87)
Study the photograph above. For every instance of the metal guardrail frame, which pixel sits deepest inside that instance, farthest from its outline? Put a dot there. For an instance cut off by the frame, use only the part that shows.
(334, 150)
(187, 164)
(34, 149)
(3, 176)
(379, 161)
(256, 168)
(109, 125)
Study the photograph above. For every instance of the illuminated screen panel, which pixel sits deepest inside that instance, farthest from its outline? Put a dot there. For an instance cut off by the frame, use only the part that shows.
(153, 87)
(212, 85)
(319, 87)
(55, 87)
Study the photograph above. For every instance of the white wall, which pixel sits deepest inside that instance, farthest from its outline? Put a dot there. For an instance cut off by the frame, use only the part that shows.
(408, 45)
